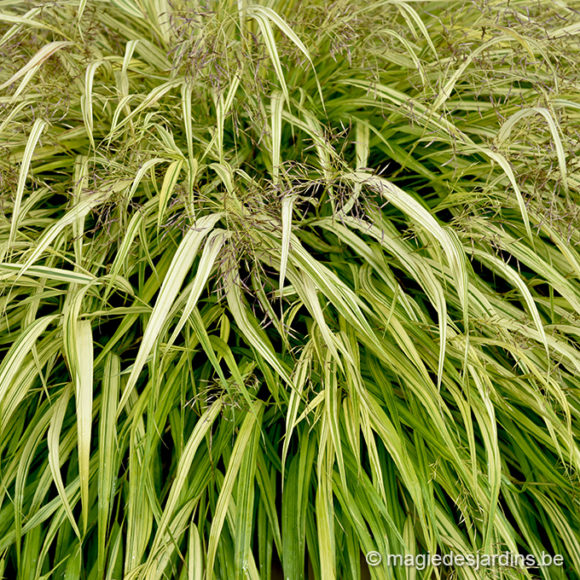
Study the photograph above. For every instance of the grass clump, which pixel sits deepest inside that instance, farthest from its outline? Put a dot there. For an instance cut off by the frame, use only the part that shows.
(286, 283)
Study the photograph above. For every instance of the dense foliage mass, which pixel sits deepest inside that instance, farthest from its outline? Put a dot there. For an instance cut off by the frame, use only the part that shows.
(285, 283)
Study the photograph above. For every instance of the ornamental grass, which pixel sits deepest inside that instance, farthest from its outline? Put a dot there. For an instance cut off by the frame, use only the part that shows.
(286, 283)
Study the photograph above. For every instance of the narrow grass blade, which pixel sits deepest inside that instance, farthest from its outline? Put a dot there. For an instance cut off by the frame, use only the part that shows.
(37, 130)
